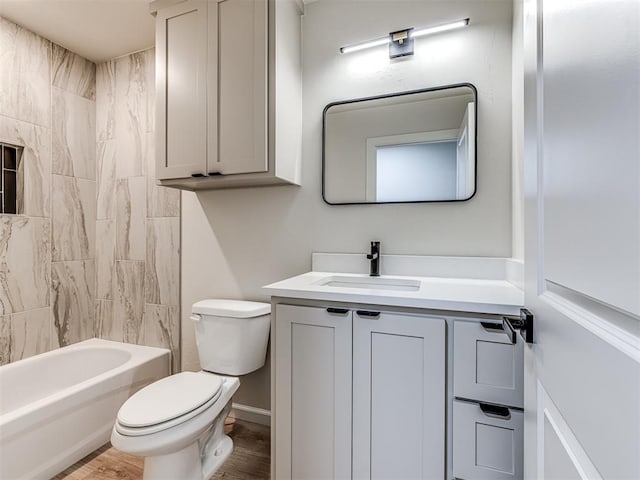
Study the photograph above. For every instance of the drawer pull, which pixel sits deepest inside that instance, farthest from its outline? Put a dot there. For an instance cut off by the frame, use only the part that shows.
(495, 411)
(367, 313)
(339, 311)
(492, 327)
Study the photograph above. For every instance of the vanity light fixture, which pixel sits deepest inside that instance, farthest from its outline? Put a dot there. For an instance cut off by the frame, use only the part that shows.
(401, 42)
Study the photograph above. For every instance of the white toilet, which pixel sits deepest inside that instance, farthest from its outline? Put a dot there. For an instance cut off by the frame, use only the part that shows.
(177, 423)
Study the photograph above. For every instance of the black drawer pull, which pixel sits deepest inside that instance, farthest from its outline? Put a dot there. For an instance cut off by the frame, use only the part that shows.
(491, 326)
(214, 174)
(495, 411)
(198, 175)
(367, 313)
(340, 311)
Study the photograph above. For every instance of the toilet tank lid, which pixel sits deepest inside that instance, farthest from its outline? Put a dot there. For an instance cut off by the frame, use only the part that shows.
(231, 308)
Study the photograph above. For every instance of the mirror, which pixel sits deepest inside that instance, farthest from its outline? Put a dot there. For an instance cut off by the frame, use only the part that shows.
(417, 146)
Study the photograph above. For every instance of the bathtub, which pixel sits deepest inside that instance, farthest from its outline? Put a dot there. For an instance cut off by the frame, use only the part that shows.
(57, 407)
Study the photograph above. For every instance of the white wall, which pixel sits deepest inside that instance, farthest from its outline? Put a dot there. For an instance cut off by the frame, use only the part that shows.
(235, 241)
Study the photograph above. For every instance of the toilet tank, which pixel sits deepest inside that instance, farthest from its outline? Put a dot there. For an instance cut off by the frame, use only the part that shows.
(231, 335)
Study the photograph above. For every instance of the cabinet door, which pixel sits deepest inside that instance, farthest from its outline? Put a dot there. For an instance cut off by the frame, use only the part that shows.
(313, 393)
(181, 90)
(399, 369)
(242, 88)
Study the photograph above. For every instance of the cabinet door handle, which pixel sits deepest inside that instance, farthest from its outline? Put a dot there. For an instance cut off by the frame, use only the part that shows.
(339, 311)
(367, 313)
(198, 175)
(495, 411)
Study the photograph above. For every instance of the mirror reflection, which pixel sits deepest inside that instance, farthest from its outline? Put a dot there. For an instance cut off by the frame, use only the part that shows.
(417, 146)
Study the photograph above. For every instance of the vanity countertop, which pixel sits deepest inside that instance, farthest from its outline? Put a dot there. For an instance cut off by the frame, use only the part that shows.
(454, 294)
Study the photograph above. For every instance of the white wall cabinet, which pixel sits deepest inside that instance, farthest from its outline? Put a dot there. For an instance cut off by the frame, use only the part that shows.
(395, 365)
(228, 93)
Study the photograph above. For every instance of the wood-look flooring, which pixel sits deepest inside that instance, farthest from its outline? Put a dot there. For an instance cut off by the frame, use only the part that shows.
(248, 461)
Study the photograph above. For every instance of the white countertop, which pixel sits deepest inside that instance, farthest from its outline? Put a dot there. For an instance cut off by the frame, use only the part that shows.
(493, 296)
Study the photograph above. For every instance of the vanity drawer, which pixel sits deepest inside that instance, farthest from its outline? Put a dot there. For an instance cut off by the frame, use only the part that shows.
(487, 442)
(487, 367)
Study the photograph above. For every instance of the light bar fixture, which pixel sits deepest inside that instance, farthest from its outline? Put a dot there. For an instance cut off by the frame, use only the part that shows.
(401, 42)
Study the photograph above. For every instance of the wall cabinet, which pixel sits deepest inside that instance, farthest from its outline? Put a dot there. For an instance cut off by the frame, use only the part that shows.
(228, 93)
(359, 394)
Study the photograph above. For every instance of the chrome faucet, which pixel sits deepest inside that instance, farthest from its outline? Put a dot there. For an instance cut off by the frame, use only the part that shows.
(374, 256)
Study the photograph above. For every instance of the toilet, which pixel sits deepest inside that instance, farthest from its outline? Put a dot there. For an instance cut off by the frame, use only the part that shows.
(177, 423)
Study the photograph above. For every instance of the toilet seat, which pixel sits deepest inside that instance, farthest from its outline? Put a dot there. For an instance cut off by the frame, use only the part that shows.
(164, 404)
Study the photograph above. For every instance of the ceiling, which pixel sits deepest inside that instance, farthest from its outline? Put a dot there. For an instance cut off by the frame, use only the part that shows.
(95, 29)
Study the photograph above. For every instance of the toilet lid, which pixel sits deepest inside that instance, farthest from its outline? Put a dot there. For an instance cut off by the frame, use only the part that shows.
(169, 398)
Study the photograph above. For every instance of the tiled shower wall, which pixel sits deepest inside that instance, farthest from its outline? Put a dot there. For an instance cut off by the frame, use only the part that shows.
(47, 255)
(57, 284)
(138, 223)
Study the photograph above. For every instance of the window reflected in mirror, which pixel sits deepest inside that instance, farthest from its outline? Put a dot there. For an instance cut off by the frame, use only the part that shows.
(409, 147)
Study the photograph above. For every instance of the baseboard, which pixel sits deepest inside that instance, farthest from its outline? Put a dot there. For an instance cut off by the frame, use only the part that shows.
(251, 414)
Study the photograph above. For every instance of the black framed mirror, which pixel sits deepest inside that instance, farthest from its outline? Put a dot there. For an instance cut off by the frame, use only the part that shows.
(407, 147)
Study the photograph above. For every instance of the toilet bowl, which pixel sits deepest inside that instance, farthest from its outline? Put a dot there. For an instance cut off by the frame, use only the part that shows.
(177, 423)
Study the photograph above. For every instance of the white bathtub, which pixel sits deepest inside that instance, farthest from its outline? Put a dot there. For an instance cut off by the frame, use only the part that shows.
(58, 407)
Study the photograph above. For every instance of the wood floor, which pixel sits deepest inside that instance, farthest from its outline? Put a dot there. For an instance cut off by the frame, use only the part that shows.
(249, 460)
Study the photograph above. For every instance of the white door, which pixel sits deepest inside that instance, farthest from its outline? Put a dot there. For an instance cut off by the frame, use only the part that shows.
(582, 238)
(399, 377)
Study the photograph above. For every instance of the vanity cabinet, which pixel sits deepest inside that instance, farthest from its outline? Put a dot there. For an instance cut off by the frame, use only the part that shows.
(359, 393)
(228, 93)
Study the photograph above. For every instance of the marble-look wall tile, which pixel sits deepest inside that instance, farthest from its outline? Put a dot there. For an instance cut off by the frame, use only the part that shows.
(72, 292)
(25, 256)
(161, 328)
(72, 72)
(162, 272)
(73, 135)
(73, 218)
(105, 258)
(129, 301)
(5, 339)
(106, 162)
(35, 164)
(25, 75)
(150, 82)
(130, 218)
(105, 100)
(132, 117)
(161, 201)
(30, 333)
(108, 326)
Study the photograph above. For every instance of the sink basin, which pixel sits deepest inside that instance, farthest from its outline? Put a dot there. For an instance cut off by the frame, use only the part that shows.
(371, 283)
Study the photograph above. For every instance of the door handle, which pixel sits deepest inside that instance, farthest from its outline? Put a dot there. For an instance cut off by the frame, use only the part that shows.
(495, 411)
(367, 313)
(524, 324)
